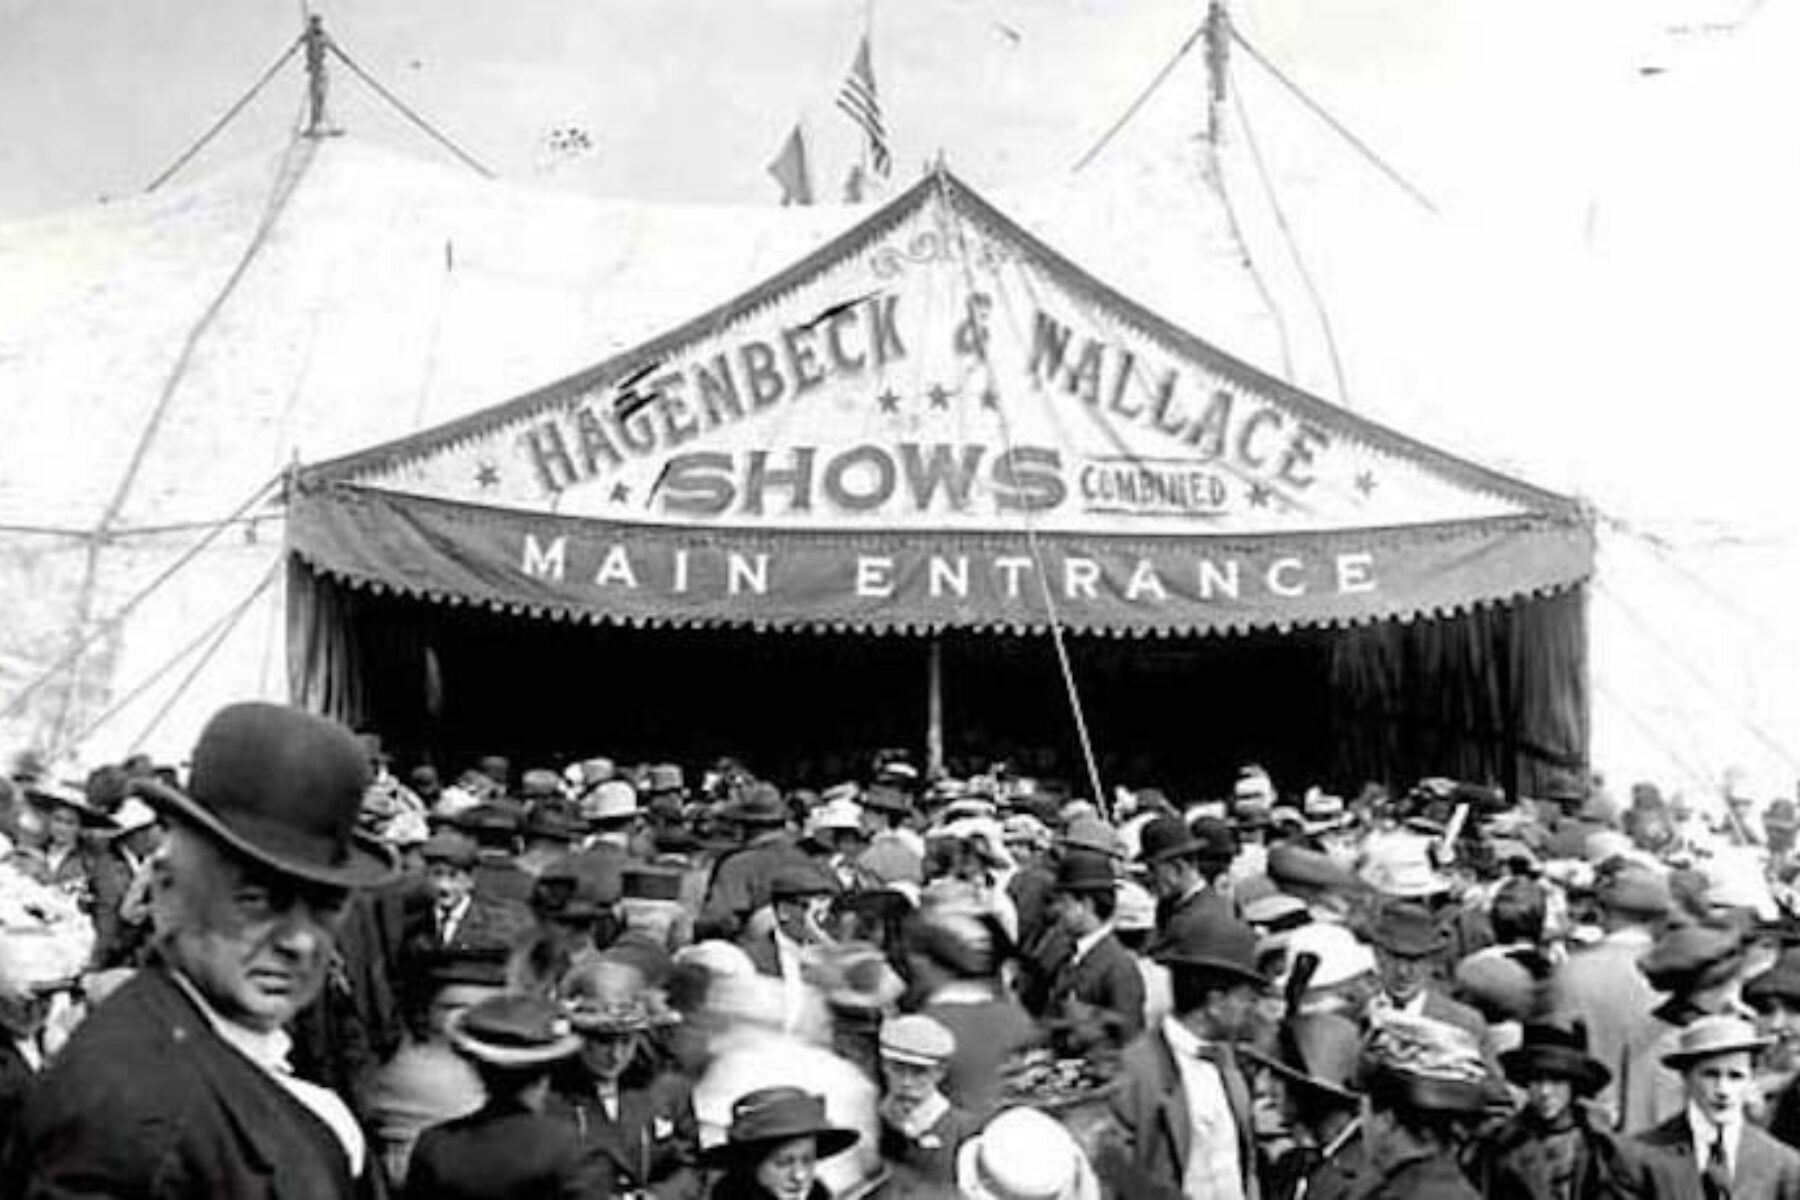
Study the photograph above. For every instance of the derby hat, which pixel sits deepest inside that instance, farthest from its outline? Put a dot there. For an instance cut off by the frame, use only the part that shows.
(1779, 982)
(760, 804)
(1692, 957)
(555, 820)
(1321, 1051)
(514, 1031)
(1705, 1037)
(451, 848)
(490, 820)
(1164, 838)
(1555, 1050)
(1024, 1154)
(763, 1119)
(1215, 943)
(282, 788)
(1406, 929)
(1092, 835)
(1299, 867)
(1082, 871)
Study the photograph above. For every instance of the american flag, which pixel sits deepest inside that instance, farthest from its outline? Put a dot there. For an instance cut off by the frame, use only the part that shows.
(858, 100)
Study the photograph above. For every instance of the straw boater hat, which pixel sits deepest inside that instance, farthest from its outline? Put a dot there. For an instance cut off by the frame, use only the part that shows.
(763, 1119)
(1706, 1037)
(1024, 1154)
(282, 788)
(1556, 1050)
(513, 1031)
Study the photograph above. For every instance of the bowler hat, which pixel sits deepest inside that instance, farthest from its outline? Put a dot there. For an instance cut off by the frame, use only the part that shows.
(1555, 1050)
(1705, 1037)
(1408, 930)
(514, 1031)
(1164, 838)
(555, 820)
(1322, 1051)
(489, 820)
(1082, 871)
(767, 1117)
(281, 787)
(1214, 943)
(761, 804)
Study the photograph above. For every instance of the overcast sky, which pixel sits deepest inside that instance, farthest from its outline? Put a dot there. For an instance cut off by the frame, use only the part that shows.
(1492, 104)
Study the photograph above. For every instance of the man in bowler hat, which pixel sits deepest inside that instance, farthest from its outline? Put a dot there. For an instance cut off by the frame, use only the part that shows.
(178, 1084)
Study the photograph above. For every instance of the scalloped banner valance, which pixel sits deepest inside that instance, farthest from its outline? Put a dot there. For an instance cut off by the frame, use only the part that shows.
(586, 569)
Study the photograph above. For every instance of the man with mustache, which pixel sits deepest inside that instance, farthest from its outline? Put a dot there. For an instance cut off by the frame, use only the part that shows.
(179, 1084)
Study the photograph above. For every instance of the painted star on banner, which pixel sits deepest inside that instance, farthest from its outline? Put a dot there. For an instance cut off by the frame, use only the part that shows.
(940, 396)
(889, 402)
(620, 493)
(487, 475)
(1365, 483)
(1260, 495)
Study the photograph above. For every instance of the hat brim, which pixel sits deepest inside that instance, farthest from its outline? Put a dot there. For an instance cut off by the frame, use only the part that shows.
(1191, 848)
(830, 1140)
(367, 861)
(90, 816)
(1680, 1060)
(1225, 967)
(1301, 1078)
(515, 1056)
(1522, 1064)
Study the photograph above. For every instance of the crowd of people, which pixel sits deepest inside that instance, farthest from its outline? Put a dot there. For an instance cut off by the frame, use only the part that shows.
(288, 971)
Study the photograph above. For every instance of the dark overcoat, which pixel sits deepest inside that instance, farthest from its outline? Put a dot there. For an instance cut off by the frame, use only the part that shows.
(503, 1151)
(146, 1100)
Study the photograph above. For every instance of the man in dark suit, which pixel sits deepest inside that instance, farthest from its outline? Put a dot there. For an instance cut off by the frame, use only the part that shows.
(1710, 1151)
(178, 1085)
(1096, 996)
(1184, 865)
(461, 915)
(1407, 943)
(508, 1149)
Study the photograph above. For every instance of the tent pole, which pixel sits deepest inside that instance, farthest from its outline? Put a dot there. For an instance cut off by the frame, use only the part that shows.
(934, 706)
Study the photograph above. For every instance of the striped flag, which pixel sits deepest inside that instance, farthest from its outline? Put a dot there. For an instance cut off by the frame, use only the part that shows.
(860, 103)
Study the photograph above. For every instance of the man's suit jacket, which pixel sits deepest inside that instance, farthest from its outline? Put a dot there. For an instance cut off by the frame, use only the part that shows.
(1150, 1111)
(652, 1146)
(1203, 908)
(1106, 978)
(146, 1100)
(503, 1152)
(1766, 1169)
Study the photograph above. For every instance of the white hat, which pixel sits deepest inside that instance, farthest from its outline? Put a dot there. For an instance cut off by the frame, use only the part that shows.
(1398, 865)
(838, 814)
(1024, 1154)
(132, 816)
(1342, 957)
(610, 801)
(1135, 908)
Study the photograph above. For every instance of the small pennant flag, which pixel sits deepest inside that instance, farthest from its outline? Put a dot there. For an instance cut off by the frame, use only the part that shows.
(789, 170)
(860, 103)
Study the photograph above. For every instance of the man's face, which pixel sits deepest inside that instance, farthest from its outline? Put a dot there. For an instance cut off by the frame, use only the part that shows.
(911, 1084)
(1230, 1011)
(1402, 975)
(1167, 878)
(1720, 1085)
(450, 884)
(606, 1055)
(255, 943)
(794, 918)
(1076, 914)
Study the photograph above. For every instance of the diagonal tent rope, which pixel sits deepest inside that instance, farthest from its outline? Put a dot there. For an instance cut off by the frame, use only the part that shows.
(1143, 97)
(1064, 665)
(400, 106)
(231, 113)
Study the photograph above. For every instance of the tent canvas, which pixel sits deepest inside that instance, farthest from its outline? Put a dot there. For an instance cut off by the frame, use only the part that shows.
(936, 423)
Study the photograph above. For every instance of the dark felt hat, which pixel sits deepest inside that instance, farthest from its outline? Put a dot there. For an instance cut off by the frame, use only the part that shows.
(1556, 1050)
(799, 883)
(767, 1117)
(489, 819)
(761, 804)
(1214, 943)
(1321, 1051)
(1164, 838)
(1781, 981)
(451, 847)
(1406, 929)
(1692, 956)
(481, 965)
(282, 788)
(557, 820)
(567, 892)
(1084, 871)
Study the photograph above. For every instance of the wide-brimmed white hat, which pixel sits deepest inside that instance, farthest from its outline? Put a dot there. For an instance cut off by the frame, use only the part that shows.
(1024, 1154)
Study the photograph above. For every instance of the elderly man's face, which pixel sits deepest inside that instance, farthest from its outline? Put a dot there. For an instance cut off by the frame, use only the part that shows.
(256, 944)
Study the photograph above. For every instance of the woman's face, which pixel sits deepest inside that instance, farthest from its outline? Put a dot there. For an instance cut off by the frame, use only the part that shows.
(787, 1171)
(65, 826)
(606, 1055)
(1550, 1098)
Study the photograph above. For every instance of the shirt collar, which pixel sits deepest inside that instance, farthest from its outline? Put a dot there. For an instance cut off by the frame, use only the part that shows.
(1705, 1129)
(925, 1115)
(267, 1049)
(1087, 941)
(1184, 1041)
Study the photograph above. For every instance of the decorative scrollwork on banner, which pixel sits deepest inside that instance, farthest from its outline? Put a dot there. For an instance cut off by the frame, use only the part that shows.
(940, 244)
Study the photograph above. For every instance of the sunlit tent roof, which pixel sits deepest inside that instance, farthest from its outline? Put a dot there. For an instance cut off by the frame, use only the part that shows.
(935, 420)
